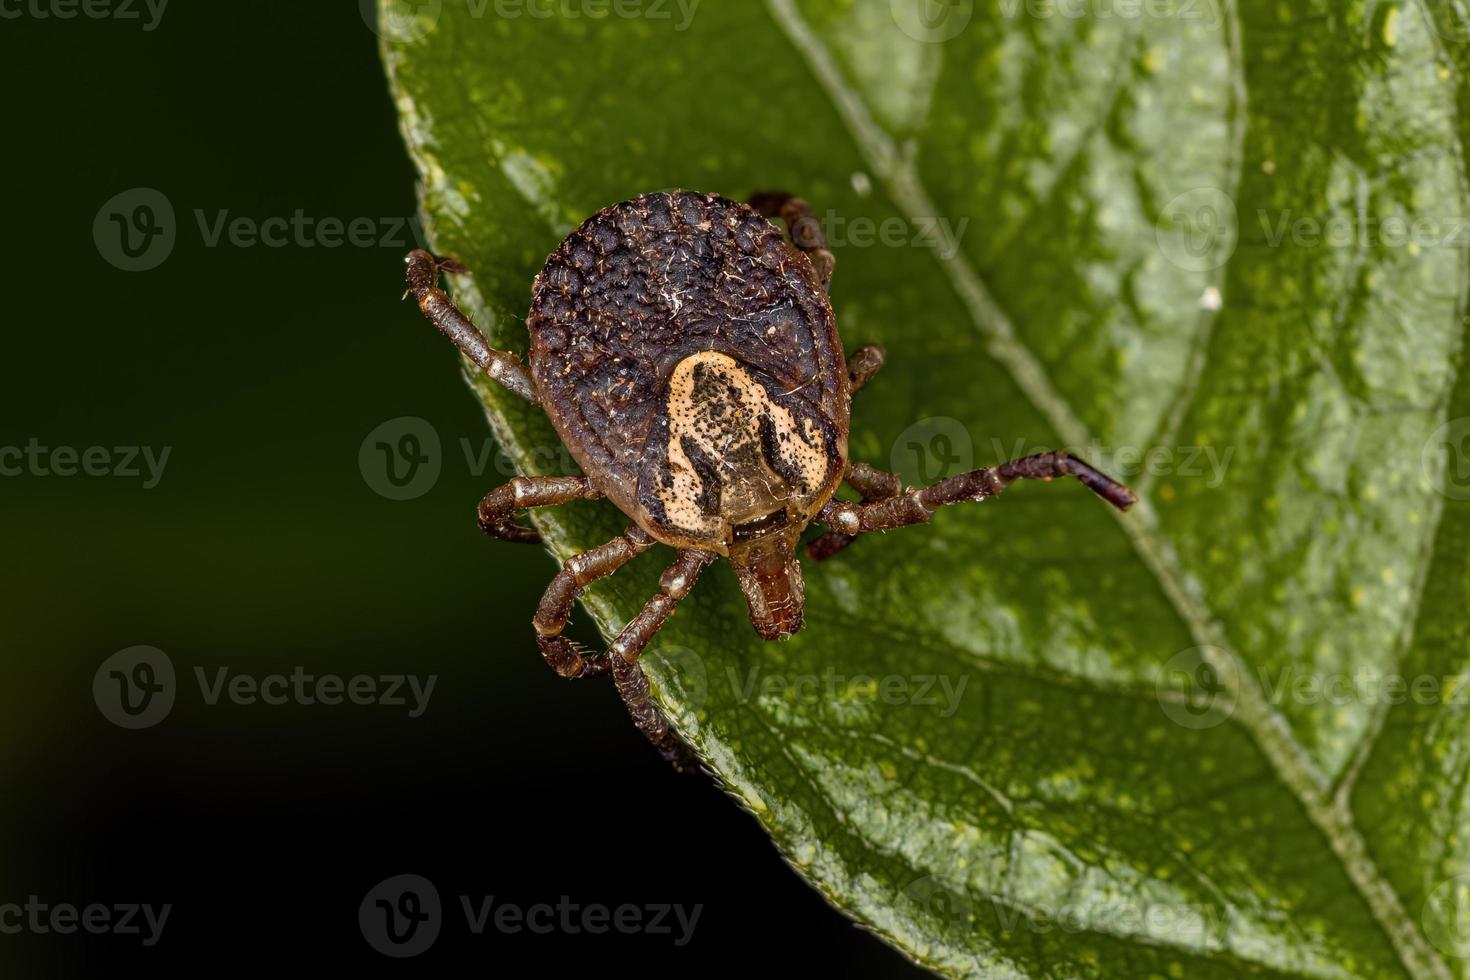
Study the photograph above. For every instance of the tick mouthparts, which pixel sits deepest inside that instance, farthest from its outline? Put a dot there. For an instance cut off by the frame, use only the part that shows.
(770, 577)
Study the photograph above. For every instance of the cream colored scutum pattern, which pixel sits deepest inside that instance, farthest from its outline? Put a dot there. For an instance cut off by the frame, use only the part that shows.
(717, 408)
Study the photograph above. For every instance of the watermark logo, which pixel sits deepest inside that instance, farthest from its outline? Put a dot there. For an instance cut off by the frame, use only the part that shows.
(97, 919)
(594, 10)
(148, 13)
(1197, 688)
(401, 916)
(401, 20)
(413, 20)
(931, 450)
(932, 21)
(128, 462)
(941, 691)
(135, 231)
(401, 459)
(1447, 20)
(135, 688)
(936, 899)
(691, 680)
(1446, 917)
(1445, 458)
(1197, 230)
(1205, 13)
(937, 232)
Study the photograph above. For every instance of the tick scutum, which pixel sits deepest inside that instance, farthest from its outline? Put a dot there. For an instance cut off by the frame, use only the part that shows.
(687, 354)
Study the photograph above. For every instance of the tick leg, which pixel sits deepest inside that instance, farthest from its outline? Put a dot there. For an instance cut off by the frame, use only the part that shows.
(497, 510)
(875, 485)
(917, 505)
(863, 364)
(576, 574)
(803, 227)
(423, 283)
(631, 682)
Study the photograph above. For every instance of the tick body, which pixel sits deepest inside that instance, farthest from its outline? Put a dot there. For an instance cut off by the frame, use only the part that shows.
(687, 354)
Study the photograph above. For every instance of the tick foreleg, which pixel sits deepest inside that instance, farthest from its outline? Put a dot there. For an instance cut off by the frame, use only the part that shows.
(863, 364)
(875, 485)
(423, 282)
(803, 227)
(917, 505)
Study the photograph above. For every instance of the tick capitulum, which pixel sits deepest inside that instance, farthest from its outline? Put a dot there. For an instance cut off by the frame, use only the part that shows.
(687, 355)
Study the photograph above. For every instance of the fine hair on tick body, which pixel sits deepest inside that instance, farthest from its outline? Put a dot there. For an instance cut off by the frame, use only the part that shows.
(687, 354)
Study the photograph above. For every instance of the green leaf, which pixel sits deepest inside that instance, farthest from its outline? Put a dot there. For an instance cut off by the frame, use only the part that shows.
(1036, 738)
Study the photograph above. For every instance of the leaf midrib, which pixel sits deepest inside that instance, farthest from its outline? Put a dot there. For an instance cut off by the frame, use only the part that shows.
(1290, 763)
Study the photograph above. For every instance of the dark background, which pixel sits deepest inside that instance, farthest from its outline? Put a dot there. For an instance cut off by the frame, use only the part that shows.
(264, 547)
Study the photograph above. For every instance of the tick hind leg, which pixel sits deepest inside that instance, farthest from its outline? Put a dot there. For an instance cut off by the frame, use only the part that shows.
(497, 510)
(803, 227)
(423, 283)
(916, 505)
(555, 611)
(631, 682)
(622, 655)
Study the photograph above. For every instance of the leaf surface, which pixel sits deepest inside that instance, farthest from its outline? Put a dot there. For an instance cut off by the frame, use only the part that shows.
(1217, 249)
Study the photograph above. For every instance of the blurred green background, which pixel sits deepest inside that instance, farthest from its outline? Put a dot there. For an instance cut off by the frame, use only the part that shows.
(263, 547)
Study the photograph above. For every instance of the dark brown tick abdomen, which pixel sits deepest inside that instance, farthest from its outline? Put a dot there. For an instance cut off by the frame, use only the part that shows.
(645, 284)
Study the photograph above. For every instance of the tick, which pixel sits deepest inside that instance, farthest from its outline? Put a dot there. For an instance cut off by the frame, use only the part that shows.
(687, 354)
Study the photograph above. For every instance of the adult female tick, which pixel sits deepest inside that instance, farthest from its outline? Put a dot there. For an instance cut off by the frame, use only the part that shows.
(688, 356)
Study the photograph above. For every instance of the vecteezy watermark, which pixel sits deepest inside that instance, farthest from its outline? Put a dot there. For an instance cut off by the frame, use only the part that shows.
(1449, 21)
(403, 458)
(148, 13)
(1184, 923)
(936, 21)
(932, 449)
(301, 688)
(1364, 686)
(1208, 463)
(680, 13)
(1197, 231)
(939, 233)
(1200, 230)
(1117, 915)
(1354, 231)
(684, 669)
(932, 21)
(127, 462)
(403, 916)
(939, 447)
(1445, 458)
(1446, 917)
(137, 230)
(1198, 686)
(97, 918)
(1204, 12)
(411, 20)
(137, 688)
(938, 899)
(939, 691)
(401, 20)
